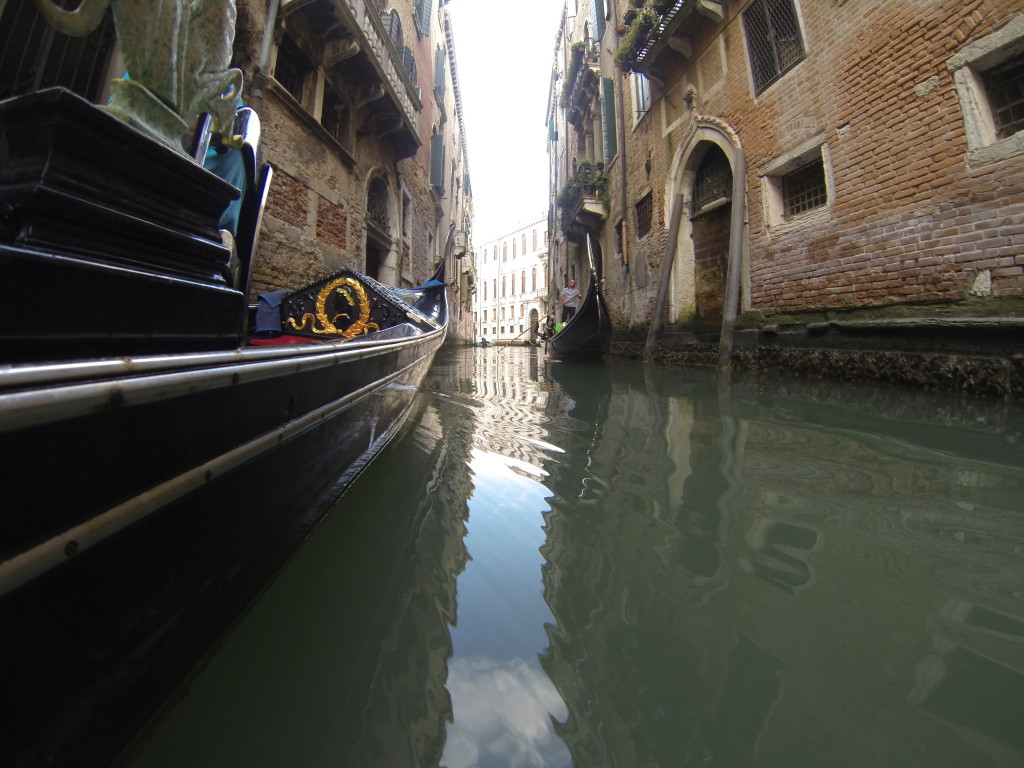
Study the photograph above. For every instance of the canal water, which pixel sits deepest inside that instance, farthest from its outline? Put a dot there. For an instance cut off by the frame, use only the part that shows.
(615, 564)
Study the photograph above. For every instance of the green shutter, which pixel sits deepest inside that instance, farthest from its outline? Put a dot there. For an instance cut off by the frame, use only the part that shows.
(423, 10)
(611, 146)
(440, 59)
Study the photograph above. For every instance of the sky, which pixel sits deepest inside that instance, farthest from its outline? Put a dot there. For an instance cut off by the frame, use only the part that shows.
(504, 53)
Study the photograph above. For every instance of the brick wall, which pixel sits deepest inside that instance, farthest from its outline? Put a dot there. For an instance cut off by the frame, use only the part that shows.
(910, 221)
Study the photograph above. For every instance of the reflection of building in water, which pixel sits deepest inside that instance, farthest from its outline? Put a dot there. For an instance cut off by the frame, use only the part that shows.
(511, 391)
(755, 591)
(411, 664)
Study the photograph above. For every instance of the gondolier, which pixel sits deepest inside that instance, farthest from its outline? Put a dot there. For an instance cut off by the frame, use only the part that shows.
(570, 301)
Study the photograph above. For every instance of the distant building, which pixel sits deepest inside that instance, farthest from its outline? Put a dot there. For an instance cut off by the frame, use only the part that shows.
(512, 288)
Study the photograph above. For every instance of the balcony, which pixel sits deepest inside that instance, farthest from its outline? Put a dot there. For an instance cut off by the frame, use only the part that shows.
(582, 202)
(581, 83)
(661, 32)
(359, 48)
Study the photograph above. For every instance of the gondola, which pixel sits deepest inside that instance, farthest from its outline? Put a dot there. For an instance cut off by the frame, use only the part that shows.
(588, 332)
(162, 457)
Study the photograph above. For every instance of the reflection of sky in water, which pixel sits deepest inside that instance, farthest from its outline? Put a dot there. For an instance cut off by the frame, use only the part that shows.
(502, 700)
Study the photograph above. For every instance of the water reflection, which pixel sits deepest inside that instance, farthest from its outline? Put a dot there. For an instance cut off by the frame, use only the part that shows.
(595, 565)
(738, 582)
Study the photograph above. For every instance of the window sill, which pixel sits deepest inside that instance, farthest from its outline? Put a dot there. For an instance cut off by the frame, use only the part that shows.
(802, 221)
(997, 152)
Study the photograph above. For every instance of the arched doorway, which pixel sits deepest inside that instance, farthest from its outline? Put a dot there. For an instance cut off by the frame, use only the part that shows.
(703, 176)
(381, 254)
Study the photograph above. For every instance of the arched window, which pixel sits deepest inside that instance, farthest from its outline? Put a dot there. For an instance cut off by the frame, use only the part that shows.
(523, 279)
(513, 281)
(504, 251)
(503, 287)
(485, 299)
(534, 288)
(524, 243)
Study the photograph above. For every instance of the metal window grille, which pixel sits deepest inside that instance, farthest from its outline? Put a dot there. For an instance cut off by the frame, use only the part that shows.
(644, 214)
(804, 188)
(377, 204)
(291, 68)
(714, 179)
(33, 55)
(1005, 85)
(773, 40)
(333, 117)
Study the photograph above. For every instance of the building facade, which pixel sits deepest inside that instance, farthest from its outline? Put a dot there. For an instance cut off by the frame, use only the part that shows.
(780, 174)
(511, 297)
(361, 120)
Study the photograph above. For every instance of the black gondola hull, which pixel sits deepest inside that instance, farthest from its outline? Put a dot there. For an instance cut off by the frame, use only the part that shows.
(588, 332)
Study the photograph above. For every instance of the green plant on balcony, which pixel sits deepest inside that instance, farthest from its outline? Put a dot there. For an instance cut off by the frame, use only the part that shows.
(576, 53)
(643, 19)
(588, 180)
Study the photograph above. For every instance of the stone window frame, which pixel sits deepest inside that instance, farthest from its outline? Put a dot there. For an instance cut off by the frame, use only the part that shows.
(968, 68)
(773, 173)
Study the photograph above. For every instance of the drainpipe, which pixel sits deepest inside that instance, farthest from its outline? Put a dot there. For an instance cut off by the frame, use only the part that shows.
(732, 280)
(259, 77)
(666, 273)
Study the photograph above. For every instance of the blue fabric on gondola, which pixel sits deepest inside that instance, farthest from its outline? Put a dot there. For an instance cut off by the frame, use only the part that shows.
(431, 284)
(268, 311)
(230, 167)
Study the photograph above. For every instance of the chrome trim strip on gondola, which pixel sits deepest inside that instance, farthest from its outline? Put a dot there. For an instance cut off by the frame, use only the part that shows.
(41, 558)
(20, 409)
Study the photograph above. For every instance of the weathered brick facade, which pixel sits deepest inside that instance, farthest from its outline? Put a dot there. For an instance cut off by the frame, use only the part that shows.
(343, 140)
(920, 221)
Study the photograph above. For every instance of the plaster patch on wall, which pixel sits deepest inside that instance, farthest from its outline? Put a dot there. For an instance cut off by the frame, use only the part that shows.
(931, 85)
(981, 285)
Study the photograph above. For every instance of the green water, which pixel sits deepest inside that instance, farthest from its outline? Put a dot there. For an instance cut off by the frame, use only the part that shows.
(625, 565)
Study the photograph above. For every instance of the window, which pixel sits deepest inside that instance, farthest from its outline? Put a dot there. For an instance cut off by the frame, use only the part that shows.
(334, 117)
(773, 40)
(641, 94)
(535, 239)
(804, 188)
(485, 299)
(513, 287)
(513, 248)
(292, 68)
(504, 251)
(534, 276)
(989, 79)
(1005, 85)
(503, 290)
(644, 214)
(523, 282)
(797, 182)
(524, 243)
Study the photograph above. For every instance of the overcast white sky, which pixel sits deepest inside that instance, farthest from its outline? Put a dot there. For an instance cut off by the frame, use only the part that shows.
(504, 53)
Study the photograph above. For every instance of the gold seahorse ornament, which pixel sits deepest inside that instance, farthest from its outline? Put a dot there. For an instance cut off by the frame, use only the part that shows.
(355, 294)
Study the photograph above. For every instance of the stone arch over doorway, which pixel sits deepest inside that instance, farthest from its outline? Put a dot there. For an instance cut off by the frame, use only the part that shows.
(698, 279)
(381, 246)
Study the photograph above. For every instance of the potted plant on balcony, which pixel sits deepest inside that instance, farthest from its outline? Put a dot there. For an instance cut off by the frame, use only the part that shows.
(642, 18)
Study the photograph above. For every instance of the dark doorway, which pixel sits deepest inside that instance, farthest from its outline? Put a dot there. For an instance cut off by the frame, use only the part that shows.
(712, 212)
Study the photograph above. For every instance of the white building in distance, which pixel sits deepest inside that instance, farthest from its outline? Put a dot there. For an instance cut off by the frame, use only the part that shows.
(511, 292)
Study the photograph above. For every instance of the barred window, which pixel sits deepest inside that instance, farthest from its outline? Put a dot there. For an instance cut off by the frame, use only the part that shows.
(644, 214)
(377, 204)
(334, 117)
(773, 40)
(804, 188)
(291, 68)
(1005, 85)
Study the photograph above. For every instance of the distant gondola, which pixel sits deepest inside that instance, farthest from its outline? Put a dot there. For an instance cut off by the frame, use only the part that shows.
(588, 332)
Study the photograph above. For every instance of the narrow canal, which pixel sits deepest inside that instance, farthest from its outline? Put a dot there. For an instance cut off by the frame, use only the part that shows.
(624, 565)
